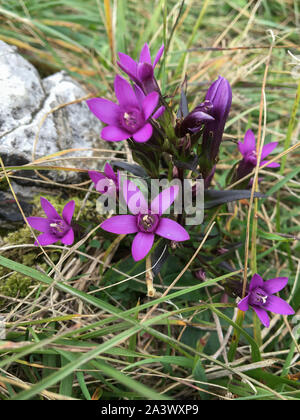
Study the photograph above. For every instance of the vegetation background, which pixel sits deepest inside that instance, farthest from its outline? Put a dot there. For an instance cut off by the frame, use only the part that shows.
(78, 322)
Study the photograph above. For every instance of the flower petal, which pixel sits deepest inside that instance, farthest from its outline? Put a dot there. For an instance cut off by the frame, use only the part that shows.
(164, 200)
(159, 112)
(271, 165)
(121, 225)
(243, 305)
(50, 211)
(68, 212)
(39, 223)
(141, 245)
(109, 172)
(143, 134)
(172, 230)
(249, 144)
(278, 306)
(145, 72)
(158, 55)
(104, 110)
(134, 198)
(275, 285)
(46, 239)
(125, 93)
(128, 65)
(96, 176)
(263, 316)
(256, 281)
(111, 133)
(68, 239)
(149, 104)
(139, 94)
(145, 56)
(267, 149)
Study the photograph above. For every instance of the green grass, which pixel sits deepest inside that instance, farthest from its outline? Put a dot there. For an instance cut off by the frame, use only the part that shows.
(85, 329)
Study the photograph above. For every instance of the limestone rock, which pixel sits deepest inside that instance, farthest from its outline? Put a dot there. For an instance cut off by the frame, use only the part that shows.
(26, 99)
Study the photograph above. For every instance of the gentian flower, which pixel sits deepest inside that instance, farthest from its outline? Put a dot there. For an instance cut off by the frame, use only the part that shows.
(193, 122)
(262, 299)
(107, 182)
(54, 227)
(146, 222)
(142, 73)
(248, 150)
(219, 95)
(130, 117)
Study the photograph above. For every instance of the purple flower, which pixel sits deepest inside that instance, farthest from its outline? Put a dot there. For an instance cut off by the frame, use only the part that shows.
(193, 122)
(261, 298)
(248, 150)
(142, 73)
(107, 182)
(130, 117)
(219, 95)
(54, 227)
(145, 221)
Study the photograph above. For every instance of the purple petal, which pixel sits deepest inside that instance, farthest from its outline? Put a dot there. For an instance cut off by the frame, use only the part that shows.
(139, 94)
(150, 103)
(46, 239)
(111, 133)
(256, 282)
(271, 165)
(105, 110)
(263, 316)
(145, 56)
(134, 198)
(109, 172)
(172, 230)
(145, 71)
(159, 112)
(267, 149)
(158, 55)
(68, 212)
(275, 285)
(143, 134)
(249, 144)
(141, 245)
(278, 306)
(164, 200)
(39, 223)
(125, 93)
(244, 304)
(50, 211)
(128, 65)
(96, 176)
(68, 239)
(120, 225)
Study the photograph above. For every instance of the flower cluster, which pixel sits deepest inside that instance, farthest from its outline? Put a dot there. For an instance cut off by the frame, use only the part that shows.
(167, 142)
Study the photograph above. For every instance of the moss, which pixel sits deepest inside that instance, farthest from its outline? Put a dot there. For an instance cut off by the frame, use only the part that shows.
(18, 237)
(16, 284)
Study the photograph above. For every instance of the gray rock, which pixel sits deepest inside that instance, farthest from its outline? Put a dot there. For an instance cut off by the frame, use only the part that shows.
(26, 100)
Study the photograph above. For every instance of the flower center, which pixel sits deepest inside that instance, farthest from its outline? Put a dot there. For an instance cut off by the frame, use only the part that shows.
(259, 297)
(252, 157)
(147, 222)
(58, 227)
(132, 120)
